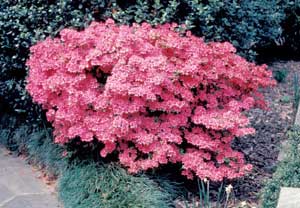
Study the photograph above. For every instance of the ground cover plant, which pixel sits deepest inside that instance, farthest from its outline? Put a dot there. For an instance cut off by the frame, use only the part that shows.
(87, 184)
(152, 94)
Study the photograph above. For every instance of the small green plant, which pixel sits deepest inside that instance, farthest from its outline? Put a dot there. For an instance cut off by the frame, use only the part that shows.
(280, 75)
(285, 99)
(222, 199)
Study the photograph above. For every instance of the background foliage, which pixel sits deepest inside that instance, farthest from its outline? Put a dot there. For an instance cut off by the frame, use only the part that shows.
(247, 24)
(291, 27)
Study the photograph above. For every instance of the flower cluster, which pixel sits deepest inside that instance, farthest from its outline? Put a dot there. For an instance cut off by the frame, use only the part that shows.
(151, 94)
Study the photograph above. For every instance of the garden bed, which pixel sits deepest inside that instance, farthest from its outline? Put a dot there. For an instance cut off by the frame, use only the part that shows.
(262, 149)
(270, 29)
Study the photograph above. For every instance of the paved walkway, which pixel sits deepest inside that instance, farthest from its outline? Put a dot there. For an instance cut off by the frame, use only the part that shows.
(289, 198)
(20, 187)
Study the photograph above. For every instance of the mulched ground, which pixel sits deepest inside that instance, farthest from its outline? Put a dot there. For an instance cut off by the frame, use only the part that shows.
(262, 149)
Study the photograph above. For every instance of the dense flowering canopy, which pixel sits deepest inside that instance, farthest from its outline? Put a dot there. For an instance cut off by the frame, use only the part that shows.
(151, 94)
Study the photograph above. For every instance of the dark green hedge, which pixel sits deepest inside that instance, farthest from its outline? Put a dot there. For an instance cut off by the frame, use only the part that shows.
(248, 24)
(291, 27)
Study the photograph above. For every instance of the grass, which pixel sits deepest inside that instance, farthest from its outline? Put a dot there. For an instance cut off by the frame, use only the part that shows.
(44, 153)
(287, 173)
(109, 186)
(36, 143)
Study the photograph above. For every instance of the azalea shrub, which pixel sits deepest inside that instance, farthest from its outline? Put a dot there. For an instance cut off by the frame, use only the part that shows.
(152, 95)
